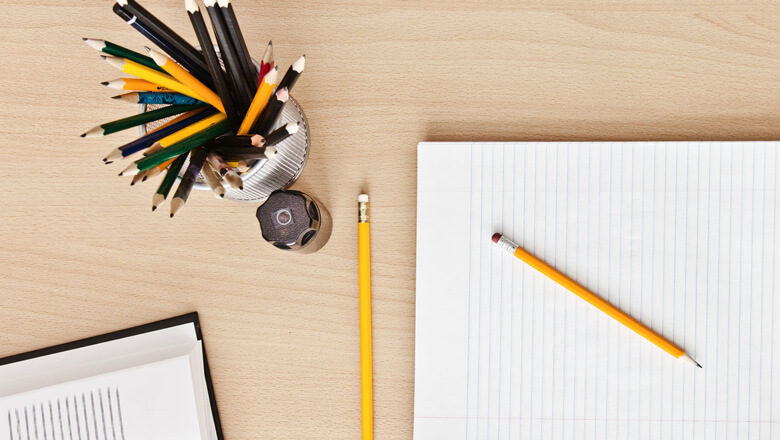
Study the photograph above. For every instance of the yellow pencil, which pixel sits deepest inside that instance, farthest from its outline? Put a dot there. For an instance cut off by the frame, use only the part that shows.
(366, 370)
(186, 78)
(259, 101)
(151, 75)
(592, 298)
(180, 135)
(139, 85)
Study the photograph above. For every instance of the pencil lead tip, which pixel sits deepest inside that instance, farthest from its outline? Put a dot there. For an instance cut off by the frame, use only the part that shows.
(105, 83)
(117, 97)
(171, 215)
(104, 57)
(84, 39)
(108, 162)
(698, 365)
(83, 135)
(241, 187)
(132, 183)
(148, 49)
(144, 178)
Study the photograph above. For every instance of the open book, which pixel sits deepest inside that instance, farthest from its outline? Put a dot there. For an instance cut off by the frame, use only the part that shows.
(148, 382)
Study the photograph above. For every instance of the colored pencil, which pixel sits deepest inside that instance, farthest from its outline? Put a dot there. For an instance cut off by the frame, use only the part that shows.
(593, 299)
(187, 79)
(138, 178)
(144, 141)
(281, 133)
(212, 61)
(136, 84)
(366, 357)
(225, 170)
(116, 50)
(167, 183)
(267, 62)
(151, 75)
(154, 171)
(293, 72)
(197, 159)
(190, 130)
(238, 153)
(241, 90)
(178, 148)
(244, 58)
(191, 63)
(259, 101)
(245, 140)
(164, 130)
(269, 115)
(213, 181)
(158, 98)
(138, 119)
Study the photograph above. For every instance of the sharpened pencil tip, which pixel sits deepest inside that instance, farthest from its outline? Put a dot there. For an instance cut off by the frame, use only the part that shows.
(154, 208)
(698, 365)
(105, 83)
(144, 179)
(241, 187)
(117, 97)
(104, 57)
(84, 39)
(83, 135)
(171, 215)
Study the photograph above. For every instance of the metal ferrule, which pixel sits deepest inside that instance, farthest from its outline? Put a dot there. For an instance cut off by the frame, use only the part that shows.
(507, 245)
(362, 212)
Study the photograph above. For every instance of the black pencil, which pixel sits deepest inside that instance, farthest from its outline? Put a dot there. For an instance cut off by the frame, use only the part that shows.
(265, 122)
(229, 55)
(239, 153)
(197, 158)
(236, 36)
(282, 133)
(223, 90)
(197, 68)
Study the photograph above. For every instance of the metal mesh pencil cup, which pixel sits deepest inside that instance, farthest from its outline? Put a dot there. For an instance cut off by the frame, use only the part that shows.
(265, 176)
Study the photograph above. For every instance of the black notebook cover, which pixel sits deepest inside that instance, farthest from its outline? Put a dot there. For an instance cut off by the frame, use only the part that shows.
(146, 328)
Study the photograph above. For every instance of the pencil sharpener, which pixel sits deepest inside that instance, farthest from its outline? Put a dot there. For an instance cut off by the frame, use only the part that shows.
(294, 221)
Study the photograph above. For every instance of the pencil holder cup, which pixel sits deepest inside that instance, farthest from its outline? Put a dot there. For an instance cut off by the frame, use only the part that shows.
(265, 176)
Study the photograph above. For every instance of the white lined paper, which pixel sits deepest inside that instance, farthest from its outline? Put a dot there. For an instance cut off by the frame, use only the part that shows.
(682, 236)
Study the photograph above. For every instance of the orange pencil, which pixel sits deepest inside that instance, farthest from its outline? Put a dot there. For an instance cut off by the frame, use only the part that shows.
(264, 92)
(186, 78)
(592, 298)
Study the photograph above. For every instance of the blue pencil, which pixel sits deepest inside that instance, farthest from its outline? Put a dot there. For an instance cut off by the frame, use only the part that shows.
(148, 139)
(160, 98)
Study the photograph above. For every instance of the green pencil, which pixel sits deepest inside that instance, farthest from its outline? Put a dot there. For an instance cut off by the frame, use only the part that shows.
(122, 52)
(140, 119)
(168, 181)
(178, 148)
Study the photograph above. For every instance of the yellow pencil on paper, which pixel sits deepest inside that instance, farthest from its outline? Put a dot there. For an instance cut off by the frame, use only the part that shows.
(592, 298)
(366, 369)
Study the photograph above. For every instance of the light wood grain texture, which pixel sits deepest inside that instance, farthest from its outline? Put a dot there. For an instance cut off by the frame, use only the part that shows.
(81, 253)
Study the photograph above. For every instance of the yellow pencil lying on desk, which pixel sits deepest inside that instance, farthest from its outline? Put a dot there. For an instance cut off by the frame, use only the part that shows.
(592, 298)
(366, 370)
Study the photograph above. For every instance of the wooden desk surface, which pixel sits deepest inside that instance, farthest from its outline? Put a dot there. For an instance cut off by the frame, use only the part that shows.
(82, 254)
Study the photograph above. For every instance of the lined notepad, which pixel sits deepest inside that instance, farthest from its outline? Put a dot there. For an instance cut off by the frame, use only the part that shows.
(684, 237)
